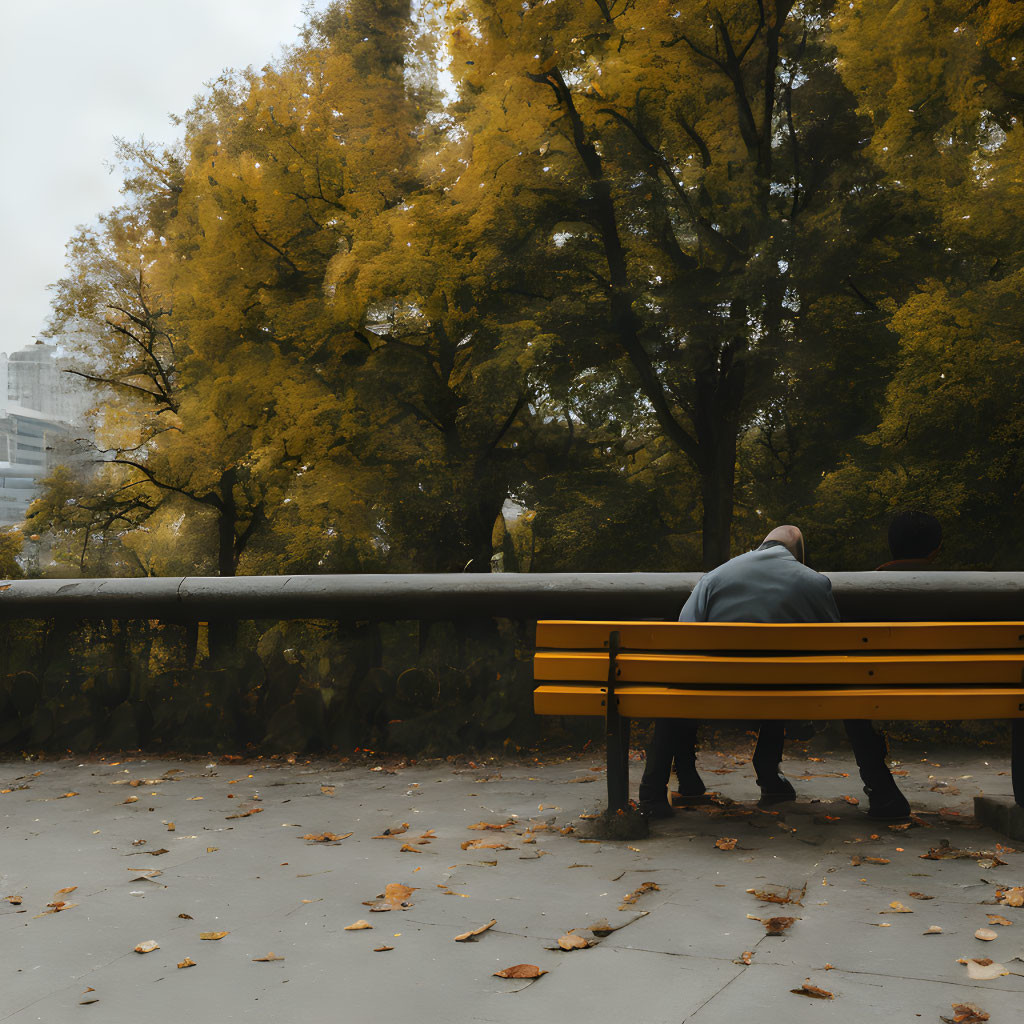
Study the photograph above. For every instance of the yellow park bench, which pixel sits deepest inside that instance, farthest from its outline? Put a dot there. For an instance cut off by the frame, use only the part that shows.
(923, 671)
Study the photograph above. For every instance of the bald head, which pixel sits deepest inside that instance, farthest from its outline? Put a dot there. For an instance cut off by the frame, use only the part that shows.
(790, 538)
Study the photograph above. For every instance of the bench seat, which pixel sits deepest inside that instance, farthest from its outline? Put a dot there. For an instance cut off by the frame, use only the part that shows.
(751, 671)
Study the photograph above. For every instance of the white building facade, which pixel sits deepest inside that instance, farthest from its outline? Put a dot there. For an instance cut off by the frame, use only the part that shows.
(42, 410)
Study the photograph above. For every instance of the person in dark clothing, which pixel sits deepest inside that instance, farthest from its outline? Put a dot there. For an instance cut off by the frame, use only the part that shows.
(915, 539)
(769, 584)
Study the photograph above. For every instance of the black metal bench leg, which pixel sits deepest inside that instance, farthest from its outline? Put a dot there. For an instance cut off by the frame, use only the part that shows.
(618, 761)
(1017, 759)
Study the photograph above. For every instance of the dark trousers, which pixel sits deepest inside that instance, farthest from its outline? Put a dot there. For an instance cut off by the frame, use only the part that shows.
(675, 741)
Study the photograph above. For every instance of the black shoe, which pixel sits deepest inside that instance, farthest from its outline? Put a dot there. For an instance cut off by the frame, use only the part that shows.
(691, 785)
(887, 804)
(777, 790)
(655, 809)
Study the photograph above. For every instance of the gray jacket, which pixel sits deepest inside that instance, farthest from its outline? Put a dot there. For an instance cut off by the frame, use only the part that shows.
(765, 585)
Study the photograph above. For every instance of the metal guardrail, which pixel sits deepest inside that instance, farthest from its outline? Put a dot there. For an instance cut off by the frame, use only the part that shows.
(861, 596)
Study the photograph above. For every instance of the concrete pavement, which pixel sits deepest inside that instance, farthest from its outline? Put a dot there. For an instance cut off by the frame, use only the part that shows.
(236, 862)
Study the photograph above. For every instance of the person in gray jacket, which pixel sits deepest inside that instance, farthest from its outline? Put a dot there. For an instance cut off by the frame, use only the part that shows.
(769, 584)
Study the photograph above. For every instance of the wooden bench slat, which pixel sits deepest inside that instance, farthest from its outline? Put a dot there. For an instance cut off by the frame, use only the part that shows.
(918, 704)
(805, 636)
(819, 669)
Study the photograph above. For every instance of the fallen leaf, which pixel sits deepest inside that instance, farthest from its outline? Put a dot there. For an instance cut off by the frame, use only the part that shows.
(726, 844)
(778, 925)
(212, 849)
(390, 833)
(637, 893)
(327, 790)
(187, 962)
(406, 848)
(481, 825)
(999, 919)
(983, 970)
(946, 852)
(246, 814)
(919, 896)
(896, 908)
(1011, 897)
(382, 949)
(570, 940)
(213, 936)
(66, 889)
(745, 957)
(986, 934)
(877, 860)
(147, 947)
(326, 837)
(807, 989)
(480, 844)
(186, 917)
(396, 893)
(520, 971)
(470, 936)
(852, 800)
(15, 901)
(934, 929)
(269, 958)
(775, 897)
(64, 796)
(357, 926)
(966, 1013)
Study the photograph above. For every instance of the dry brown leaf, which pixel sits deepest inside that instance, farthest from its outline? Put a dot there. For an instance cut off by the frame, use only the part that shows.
(726, 844)
(481, 844)
(470, 936)
(148, 946)
(396, 893)
(946, 852)
(632, 897)
(807, 989)
(852, 800)
(983, 970)
(896, 908)
(15, 901)
(390, 833)
(778, 925)
(1011, 897)
(775, 897)
(326, 837)
(986, 934)
(999, 919)
(919, 896)
(357, 926)
(130, 800)
(406, 848)
(64, 796)
(745, 957)
(570, 940)
(877, 860)
(244, 814)
(187, 962)
(481, 825)
(213, 936)
(935, 929)
(520, 971)
(156, 853)
(269, 958)
(966, 1013)
(186, 917)
(382, 949)
(66, 889)
(327, 790)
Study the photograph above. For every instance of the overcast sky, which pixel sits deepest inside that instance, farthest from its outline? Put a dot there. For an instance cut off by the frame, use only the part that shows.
(75, 73)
